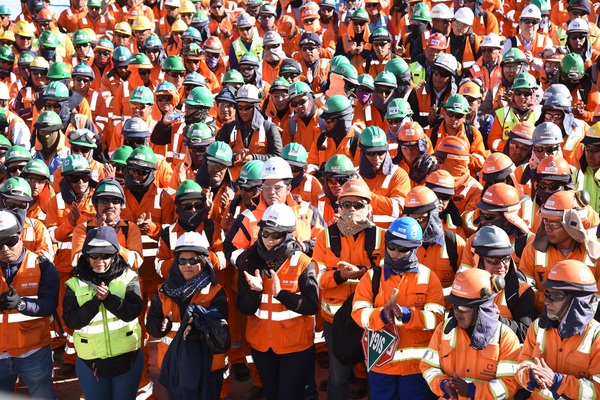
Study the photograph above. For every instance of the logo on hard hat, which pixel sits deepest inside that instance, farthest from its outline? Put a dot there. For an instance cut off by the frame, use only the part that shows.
(435, 42)
(393, 110)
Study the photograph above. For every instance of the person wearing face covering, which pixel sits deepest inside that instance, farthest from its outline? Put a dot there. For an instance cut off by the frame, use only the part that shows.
(418, 29)
(102, 303)
(472, 354)
(560, 353)
(388, 182)
(409, 304)
(385, 86)
(197, 138)
(565, 233)
(273, 55)
(278, 292)
(50, 140)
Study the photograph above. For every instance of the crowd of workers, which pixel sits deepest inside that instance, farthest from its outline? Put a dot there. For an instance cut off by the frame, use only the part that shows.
(236, 179)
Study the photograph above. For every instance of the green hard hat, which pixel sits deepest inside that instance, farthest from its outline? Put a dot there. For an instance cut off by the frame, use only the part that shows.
(59, 71)
(141, 60)
(152, 42)
(298, 89)
(249, 58)
(397, 66)
(4, 10)
(220, 152)
(200, 97)
(380, 34)
(192, 51)
(142, 95)
(524, 81)
(36, 167)
(75, 163)
(335, 105)
(233, 76)
(280, 84)
(347, 70)
(193, 33)
(194, 79)
(514, 55)
(108, 187)
(121, 55)
(16, 154)
(165, 87)
(189, 190)
(105, 44)
(143, 157)
(4, 142)
(16, 188)
(367, 80)
(121, 155)
(25, 58)
(83, 137)
(386, 78)
(199, 134)
(457, 103)
(48, 121)
(421, 13)
(360, 15)
(81, 37)
(48, 39)
(56, 90)
(7, 54)
(398, 109)
(83, 69)
(250, 174)
(295, 154)
(572, 66)
(339, 164)
(173, 63)
(94, 3)
(373, 138)
(337, 60)
(543, 5)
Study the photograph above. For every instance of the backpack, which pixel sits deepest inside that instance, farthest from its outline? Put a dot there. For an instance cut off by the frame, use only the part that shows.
(451, 249)
(346, 334)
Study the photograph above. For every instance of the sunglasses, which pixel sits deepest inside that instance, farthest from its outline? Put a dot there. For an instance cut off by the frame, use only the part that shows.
(442, 73)
(122, 36)
(245, 29)
(577, 37)
(290, 76)
(82, 46)
(164, 98)
(54, 106)
(331, 120)
(443, 21)
(216, 7)
(192, 261)
(192, 206)
(273, 235)
(591, 149)
(80, 150)
(144, 71)
(309, 21)
(109, 200)
(444, 197)
(94, 8)
(77, 178)
(198, 149)
(11, 241)
(176, 74)
(523, 93)
(553, 117)
(375, 153)
(309, 48)
(380, 44)
(153, 50)
(511, 68)
(358, 205)
(497, 260)
(549, 187)
(103, 52)
(139, 171)
(545, 149)
(578, 13)
(452, 114)
(554, 297)
(300, 102)
(487, 217)
(359, 23)
(245, 108)
(103, 256)
(385, 91)
(84, 80)
(462, 309)
(338, 181)
(13, 206)
(249, 189)
(528, 21)
(397, 247)
(14, 168)
(137, 106)
(421, 219)
(296, 169)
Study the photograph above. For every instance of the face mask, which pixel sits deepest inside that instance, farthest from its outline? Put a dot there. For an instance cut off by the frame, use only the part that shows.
(355, 216)
(401, 265)
(190, 219)
(552, 74)
(362, 96)
(212, 62)
(275, 55)
(136, 187)
(48, 54)
(47, 140)
(4, 73)
(101, 60)
(417, 29)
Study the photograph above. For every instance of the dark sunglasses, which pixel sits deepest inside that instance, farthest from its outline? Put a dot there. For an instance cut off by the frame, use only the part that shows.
(551, 187)
(300, 102)
(250, 189)
(82, 46)
(103, 256)
(103, 52)
(453, 114)
(273, 235)
(577, 37)
(358, 205)
(245, 29)
(13, 206)
(173, 74)
(164, 98)
(11, 241)
(39, 73)
(442, 73)
(80, 150)
(380, 44)
(192, 206)
(139, 171)
(245, 108)
(524, 93)
(397, 247)
(290, 76)
(14, 168)
(153, 50)
(375, 153)
(545, 149)
(359, 23)
(192, 261)
(394, 121)
(497, 260)
(198, 149)
(77, 178)
(462, 309)
(296, 169)
(80, 79)
(109, 200)
(554, 297)
(309, 21)
(338, 181)
(137, 106)
(528, 21)
(487, 217)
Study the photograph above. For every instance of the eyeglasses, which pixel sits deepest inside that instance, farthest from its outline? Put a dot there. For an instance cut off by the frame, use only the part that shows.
(198, 149)
(528, 21)
(357, 205)
(273, 235)
(338, 181)
(192, 261)
(578, 13)
(80, 150)
(420, 219)
(523, 93)
(11, 241)
(553, 117)
(299, 102)
(552, 224)
(197, 206)
(245, 108)
(35, 181)
(497, 260)
(144, 71)
(545, 149)
(520, 147)
(174, 74)
(245, 29)
(487, 217)
(138, 106)
(14, 168)
(80, 79)
(273, 188)
(359, 23)
(441, 72)
(549, 187)
(591, 149)
(332, 120)
(109, 200)
(554, 297)
(77, 178)
(462, 309)
(152, 50)
(385, 91)
(164, 98)
(296, 169)
(394, 121)
(371, 5)
(54, 106)
(139, 171)
(380, 44)
(249, 189)
(577, 37)
(396, 247)
(452, 114)
(81, 46)
(375, 153)
(13, 206)
(103, 256)
(214, 164)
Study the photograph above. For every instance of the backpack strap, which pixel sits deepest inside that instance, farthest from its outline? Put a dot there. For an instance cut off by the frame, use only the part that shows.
(434, 134)
(335, 243)
(209, 229)
(513, 41)
(450, 238)
(371, 237)
(520, 244)
(376, 280)
(165, 236)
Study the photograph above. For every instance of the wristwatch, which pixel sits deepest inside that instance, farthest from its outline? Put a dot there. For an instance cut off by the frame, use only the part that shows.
(21, 306)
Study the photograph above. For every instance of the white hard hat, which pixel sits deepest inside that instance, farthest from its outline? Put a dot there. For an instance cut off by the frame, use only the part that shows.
(279, 217)
(464, 15)
(192, 241)
(276, 168)
(249, 93)
(441, 11)
(4, 94)
(448, 62)
(531, 11)
(578, 25)
(9, 224)
(492, 40)
(173, 3)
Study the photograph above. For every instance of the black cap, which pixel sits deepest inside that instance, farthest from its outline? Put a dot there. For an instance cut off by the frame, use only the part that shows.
(310, 38)
(101, 240)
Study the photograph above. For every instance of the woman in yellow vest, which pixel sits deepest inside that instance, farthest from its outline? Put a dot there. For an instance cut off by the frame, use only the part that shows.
(177, 316)
(278, 291)
(102, 303)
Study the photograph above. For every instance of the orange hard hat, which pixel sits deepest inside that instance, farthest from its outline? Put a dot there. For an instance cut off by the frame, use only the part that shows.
(44, 15)
(497, 166)
(286, 26)
(470, 89)
(452, 146)
(474, 286)
(500, 197)
(356, 187)
(571, 275)
(420, 199)
(553, 167)
(213, 44)
(410, 131)
(559, 202)
(441, 181)
(522, 132)
(309, 12)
